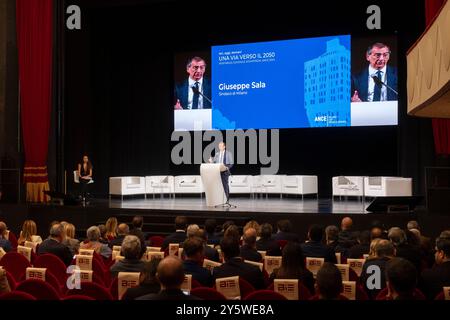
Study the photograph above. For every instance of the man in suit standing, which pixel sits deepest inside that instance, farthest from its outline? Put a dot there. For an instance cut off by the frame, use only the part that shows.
(364, 88)
(187, 93)
(224, 156)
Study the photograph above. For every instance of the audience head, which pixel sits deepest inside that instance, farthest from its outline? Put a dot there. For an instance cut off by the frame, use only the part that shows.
(284, 226)
(346, 223)
(230, 247)
(52, 224)
(102, 229)
(412, 238)
(266, 231)
(111, 227)
(329, 282)
(70, 230)
(227, 224)
(148, 273)
(315, 233)
(57, 232)
(401, 278)
(232, 232)
(251, 224)
(93, 234)
(180, 223)
(29, 229)
(413, 224)
(123, 229)
(292, 260)
(250, 237)
(202, 235)
(397, 236)
(373, 245)
(210, 226)
(170, 273)
(364, 237)
(384, 248)
(131, 248)
(192, 230)
(376, 230)
(193, 249)
(445, 234)
(137, 222)
(442, 253)
(331, 233)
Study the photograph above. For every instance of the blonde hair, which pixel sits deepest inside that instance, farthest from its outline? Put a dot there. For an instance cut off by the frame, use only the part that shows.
(373, 245)
(29, 229)
(254, 225)
(111, 227)
(70, 230)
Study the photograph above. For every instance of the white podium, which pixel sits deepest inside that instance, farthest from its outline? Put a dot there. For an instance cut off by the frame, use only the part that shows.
(212, 184)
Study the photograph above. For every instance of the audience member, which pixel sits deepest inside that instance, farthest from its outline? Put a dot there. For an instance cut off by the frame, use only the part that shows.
(210, 253)
(266, 242)
(131, 250)
(403, 249)
(180, 232)
(315, 248)
(136, 230)
(235, 265)
(54, 244)
(210, 227)
(92, 242)
(147, 281)
(103, 238)
(248, 248)
(4, 284)
(191, 230)
(170, 275)
(194, 253)
(401, 279)
(328, 282)
(285, 231)
(111, 228)
(122, 231)
(4, 242)
(363, 247)
(29, 233)
(70, 241)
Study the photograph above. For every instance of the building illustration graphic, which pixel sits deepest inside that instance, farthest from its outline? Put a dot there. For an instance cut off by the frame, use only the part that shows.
(327, 87)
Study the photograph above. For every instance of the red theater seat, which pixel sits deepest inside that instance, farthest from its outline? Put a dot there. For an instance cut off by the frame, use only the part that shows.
(156, 241)
(54, 265)
(17, 296)
(265, 295)
(92, 290)
(78, 297)
(303, 291)
(16, 264)
(206, 293)
(39, 289)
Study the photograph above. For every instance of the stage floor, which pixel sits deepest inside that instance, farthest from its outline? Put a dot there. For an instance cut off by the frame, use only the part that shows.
(248, 205)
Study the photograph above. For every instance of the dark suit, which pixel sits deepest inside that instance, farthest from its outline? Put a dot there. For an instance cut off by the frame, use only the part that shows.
(318, 250)
(249, 253)
(228, 162)
(116, 241)
(358, 251)
(5, 244)
(58, 249)
(432, 280)
(175, 294)
(410, 253)
(141, 290)
(237, 267)
(176, 237)
(213, 239)
(211, 254)
(288, 236)
(360, 83)
(182, 93)
(269, 245)
(198, 273)
(127, 265)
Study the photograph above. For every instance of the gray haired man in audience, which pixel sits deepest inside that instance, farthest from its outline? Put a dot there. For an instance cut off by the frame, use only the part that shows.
(131, 250)
(93, 242)
(54, 245)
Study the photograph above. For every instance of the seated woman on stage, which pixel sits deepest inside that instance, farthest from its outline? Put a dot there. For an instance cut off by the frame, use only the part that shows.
(85, 174)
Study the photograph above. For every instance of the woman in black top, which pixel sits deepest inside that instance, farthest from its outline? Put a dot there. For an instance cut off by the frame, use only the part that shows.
(293, 266)
(85, 174)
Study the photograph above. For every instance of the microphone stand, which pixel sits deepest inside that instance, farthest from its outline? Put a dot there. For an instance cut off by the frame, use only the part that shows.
(378, 81)
(196, 90)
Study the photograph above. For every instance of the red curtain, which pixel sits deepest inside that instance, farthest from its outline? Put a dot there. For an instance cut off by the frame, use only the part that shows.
(34, 22)
(441, 127)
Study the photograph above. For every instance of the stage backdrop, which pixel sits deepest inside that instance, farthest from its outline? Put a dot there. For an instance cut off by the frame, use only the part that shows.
(119, 87)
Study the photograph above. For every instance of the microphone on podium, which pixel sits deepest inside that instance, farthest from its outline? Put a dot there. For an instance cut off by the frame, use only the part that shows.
(381, 83)
(197, 91)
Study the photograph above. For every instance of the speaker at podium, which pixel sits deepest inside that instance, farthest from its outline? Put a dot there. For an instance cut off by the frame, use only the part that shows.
(394, 204)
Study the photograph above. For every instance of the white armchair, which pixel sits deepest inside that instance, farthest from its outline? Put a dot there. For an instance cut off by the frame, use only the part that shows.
(240, 184)
(348, 186)
(125, 186)
(266, 184)
(299, 185)
(188, 184)
(159, 184)
(388, 187)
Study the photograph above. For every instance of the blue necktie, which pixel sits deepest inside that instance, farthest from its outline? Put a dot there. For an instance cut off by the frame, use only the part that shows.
(377, 88)
(196, 96)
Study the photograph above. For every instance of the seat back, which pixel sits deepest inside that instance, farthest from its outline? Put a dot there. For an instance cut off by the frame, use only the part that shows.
(264, 295)
(53, 264)
(206, 293)
(156, 241)
(78, 297)
(303, 292)
(92, 290)
(51, 280)
(12, 282)
(17, 296)
(39, 289)
(245, 287)
(15, 263)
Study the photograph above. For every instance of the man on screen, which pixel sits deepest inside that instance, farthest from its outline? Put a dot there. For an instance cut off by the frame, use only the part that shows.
(364, 87)
(225, 157)
(188, 94)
